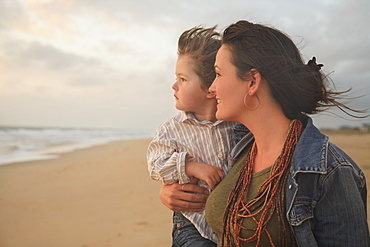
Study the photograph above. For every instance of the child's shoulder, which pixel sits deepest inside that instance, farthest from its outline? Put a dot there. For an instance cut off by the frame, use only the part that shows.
(177, 118)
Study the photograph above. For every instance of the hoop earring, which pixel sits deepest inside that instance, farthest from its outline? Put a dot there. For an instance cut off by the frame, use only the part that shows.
(245, 101)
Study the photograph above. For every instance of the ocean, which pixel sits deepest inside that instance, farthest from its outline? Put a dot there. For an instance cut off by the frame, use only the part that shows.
(28, 143)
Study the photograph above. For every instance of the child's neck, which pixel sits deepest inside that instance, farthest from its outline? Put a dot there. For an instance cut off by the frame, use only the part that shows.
(206, 116)
(207, 112)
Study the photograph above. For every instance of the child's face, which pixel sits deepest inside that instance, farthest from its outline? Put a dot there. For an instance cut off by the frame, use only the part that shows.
(189, 94)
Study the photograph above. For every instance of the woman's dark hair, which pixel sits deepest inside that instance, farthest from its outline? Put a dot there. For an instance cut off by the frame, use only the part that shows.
(297, 87)
(201, 44)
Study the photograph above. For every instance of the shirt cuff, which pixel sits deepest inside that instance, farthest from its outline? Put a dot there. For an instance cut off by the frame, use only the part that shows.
(183, 178)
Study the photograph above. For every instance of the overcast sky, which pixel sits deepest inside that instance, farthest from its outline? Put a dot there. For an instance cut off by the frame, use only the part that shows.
(110, 63)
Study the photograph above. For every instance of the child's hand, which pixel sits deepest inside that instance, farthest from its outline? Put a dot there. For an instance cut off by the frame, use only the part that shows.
(212, 175)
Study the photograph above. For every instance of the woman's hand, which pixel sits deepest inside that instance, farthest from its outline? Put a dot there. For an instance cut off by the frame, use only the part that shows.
(176, 197)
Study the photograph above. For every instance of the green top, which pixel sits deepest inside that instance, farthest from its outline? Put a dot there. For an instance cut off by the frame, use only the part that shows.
(217, 201)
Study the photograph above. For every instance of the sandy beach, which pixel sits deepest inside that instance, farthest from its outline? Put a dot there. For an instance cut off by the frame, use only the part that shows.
(96, 197)
(99, 197)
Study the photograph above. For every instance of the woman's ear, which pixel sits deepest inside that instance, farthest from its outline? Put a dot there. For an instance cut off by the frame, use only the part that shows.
(255, 81)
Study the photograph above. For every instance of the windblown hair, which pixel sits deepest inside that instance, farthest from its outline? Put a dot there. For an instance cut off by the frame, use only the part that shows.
(297, 87)
(201, 44)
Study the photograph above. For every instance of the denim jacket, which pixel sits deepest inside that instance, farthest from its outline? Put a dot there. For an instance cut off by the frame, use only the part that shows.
(325, 193)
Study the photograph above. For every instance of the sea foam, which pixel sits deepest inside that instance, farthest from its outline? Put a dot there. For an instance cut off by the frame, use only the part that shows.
(25, 144)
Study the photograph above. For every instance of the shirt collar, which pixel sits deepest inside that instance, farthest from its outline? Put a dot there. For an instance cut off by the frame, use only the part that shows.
(185, 117)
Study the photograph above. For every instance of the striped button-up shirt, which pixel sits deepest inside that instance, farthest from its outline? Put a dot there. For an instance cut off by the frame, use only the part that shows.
(183, 138)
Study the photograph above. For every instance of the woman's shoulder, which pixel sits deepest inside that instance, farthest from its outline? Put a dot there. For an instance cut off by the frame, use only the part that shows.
(337, 158)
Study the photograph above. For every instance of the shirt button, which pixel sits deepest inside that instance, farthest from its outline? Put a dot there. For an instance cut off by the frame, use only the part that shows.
(220, 155)
(290, 186)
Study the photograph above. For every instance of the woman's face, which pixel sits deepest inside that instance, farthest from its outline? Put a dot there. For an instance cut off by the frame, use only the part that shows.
(228, 88)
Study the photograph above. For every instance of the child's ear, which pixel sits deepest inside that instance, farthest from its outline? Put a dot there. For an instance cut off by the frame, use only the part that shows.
(210, 95)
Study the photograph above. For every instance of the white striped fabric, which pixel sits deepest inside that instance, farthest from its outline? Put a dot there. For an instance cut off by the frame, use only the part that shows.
(183, 138)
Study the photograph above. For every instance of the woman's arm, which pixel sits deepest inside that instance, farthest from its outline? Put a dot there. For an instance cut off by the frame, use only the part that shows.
(177, 197)
(340, 214)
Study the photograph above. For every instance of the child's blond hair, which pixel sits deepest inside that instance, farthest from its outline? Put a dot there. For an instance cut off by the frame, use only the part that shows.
(201, 44)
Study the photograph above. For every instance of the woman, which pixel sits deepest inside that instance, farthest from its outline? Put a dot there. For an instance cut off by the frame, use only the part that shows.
(288, 185)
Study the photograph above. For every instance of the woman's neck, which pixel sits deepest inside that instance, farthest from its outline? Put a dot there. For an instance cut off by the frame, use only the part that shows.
(270, 132)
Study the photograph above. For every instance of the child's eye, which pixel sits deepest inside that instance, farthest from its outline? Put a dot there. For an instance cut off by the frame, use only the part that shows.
(180, 79)
(218, 74)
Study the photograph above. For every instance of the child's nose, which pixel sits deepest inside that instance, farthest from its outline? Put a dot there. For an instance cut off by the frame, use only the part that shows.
(174, 86)
(211, 89)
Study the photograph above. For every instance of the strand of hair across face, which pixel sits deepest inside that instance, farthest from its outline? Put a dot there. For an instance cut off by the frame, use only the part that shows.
(270, 197)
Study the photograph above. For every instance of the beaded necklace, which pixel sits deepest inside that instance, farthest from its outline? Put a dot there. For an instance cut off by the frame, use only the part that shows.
(270, 197)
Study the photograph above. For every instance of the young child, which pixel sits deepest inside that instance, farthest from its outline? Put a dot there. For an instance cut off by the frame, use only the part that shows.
(193, 143)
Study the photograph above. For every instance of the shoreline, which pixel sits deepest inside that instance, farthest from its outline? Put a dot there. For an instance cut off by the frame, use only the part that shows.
(54, 152)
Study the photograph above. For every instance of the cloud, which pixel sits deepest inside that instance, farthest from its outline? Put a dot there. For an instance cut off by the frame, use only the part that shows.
(34, 53)
(12, 14)
(118, 56)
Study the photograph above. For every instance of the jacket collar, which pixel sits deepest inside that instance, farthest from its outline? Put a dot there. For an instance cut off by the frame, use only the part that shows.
(310, 154)
(306, 157)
